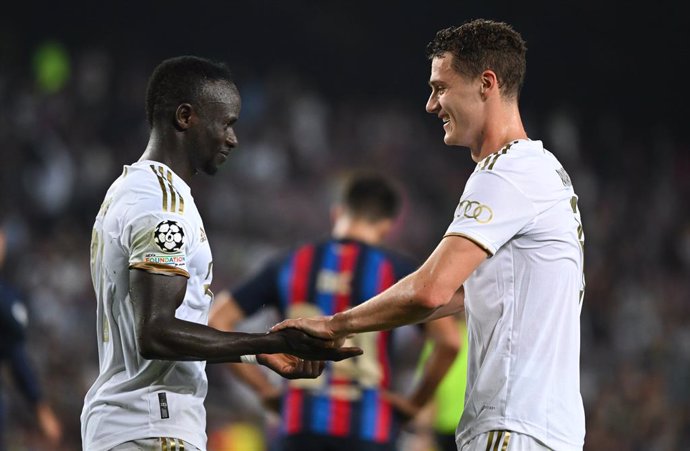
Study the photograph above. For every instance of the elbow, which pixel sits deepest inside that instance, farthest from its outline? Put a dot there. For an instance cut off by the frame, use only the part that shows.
(429, 299)
(148, 343)
(148, 353)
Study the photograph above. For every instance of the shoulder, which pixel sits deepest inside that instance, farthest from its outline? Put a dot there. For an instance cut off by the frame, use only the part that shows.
(148, 187)
(525, 164)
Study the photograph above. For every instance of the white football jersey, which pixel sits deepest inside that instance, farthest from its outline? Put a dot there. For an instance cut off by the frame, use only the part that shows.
(523, 303)
(148, 221)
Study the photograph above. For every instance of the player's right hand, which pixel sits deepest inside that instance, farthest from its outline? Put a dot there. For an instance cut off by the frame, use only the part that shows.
(301, 344)
(291, 367)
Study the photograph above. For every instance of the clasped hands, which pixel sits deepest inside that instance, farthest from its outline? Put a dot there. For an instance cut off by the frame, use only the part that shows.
(307, 343)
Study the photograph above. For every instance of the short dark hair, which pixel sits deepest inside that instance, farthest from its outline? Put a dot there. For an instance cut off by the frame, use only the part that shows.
(483, 44)
(178, 80)
(370, 196)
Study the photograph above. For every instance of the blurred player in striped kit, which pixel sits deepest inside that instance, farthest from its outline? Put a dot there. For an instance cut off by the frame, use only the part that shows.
(350, 406)
(512, 256)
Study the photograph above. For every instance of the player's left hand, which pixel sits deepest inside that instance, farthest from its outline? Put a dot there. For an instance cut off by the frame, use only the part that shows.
(291, 367)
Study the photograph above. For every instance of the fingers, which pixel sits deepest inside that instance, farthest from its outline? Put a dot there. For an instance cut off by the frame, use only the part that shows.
(285, 324)
(308, 369)
(316, 326)
(339, 354)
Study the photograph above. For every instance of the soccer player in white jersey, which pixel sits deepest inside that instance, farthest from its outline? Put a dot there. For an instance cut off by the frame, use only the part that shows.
(512, 256)
(151, 269)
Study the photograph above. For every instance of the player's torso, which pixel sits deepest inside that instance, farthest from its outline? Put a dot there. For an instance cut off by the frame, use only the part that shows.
(137, 192)
(523, 306)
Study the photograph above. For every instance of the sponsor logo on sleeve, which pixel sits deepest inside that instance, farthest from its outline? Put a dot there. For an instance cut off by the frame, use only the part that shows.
(169, 236)
(178, 261)
(471, 209)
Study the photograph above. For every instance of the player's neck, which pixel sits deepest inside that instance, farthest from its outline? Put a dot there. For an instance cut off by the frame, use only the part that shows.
(168, 151)
(504, 127)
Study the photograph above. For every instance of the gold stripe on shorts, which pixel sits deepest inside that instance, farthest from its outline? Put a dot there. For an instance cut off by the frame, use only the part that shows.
(498, 440)
(491, 439)
(494, 440)
(505, 441)
(164, 444)
(180, 445)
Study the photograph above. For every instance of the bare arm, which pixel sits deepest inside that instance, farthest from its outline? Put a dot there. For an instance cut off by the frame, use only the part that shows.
(433, 291)
(160, 335)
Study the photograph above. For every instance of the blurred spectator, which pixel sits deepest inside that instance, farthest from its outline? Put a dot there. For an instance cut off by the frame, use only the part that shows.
(13, 354)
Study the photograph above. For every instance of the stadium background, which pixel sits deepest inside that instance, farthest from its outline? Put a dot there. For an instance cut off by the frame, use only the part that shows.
(331, 87)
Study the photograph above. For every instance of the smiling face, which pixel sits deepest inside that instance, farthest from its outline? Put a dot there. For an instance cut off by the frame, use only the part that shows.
(213, 135)
(457, 101)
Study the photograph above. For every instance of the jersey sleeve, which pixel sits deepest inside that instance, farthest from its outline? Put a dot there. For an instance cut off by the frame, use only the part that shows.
(160, 243)
(259, 291)
(491, 211)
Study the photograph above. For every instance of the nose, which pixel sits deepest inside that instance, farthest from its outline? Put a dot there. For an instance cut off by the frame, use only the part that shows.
(432, 105)
(231, 138)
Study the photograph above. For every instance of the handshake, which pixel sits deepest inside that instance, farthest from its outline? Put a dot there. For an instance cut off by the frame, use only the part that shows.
(302, 345)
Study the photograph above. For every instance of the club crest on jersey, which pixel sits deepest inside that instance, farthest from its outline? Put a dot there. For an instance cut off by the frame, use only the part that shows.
(169, 236)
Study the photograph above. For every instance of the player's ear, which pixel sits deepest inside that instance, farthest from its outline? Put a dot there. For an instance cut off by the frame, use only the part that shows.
(183, 116)
(488, 83)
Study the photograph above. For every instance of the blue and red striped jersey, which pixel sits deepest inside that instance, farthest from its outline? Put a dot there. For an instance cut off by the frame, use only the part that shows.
(324, 278)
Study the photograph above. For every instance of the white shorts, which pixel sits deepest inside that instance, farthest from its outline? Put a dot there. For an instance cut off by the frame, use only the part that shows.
(156, 444)
(504, 441)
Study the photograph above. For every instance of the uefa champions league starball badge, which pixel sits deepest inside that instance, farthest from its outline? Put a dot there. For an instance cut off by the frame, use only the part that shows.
(169, 236)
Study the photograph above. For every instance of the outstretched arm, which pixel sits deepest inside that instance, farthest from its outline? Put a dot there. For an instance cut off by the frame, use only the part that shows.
(431, 292)
(160, 335)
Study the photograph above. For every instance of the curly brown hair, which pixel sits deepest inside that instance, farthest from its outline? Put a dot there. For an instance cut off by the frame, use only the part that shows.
(483, 44)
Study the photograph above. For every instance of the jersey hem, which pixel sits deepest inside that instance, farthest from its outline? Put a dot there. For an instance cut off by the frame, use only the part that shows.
(521, 427)
(112, 440)
(160, 268)
(475, 240)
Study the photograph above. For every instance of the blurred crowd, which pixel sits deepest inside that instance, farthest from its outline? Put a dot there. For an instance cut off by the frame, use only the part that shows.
(69, 124)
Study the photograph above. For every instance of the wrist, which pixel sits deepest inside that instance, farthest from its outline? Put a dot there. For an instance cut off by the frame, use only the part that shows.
(250, 358)
(339, 324)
